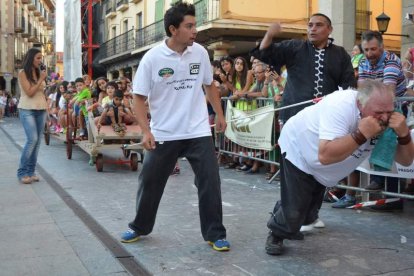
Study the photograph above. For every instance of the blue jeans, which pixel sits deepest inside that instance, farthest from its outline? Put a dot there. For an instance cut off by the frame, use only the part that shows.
(33, 122)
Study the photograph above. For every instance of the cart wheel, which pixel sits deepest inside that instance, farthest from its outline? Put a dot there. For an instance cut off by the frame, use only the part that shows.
(126, 152)
(99, 162)
(134, 162)
(69, 144)
(47, 134)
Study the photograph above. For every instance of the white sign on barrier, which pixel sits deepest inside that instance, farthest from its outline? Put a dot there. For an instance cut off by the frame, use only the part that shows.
(254, 131)
(396, 171)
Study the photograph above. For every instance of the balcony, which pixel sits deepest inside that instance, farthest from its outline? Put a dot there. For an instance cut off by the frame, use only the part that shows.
(27, 32)
(119, 45)
(37, 11)
(19, 24)
(150, 34)
(42, 14)
(26, 1)
(110, 9)
(122, 5)
(31, 6)
(50, 23)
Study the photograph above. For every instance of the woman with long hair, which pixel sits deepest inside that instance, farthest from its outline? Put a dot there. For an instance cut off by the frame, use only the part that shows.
(32, 112)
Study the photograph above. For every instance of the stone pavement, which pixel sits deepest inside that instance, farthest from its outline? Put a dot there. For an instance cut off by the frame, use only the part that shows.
(41, 235)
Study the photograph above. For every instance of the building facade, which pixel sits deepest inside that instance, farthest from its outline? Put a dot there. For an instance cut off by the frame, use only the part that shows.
(24, 24)
(233, 27)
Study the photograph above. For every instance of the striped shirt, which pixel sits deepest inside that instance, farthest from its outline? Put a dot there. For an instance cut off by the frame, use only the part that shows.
(388, 69)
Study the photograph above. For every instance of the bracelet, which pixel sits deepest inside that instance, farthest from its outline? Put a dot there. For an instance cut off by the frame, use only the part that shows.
(358, 137)
(404, 140)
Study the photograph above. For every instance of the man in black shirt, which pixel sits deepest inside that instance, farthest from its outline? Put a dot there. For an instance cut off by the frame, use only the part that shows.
(316, 67)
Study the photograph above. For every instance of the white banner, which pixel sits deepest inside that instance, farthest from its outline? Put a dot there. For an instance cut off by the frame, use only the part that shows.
(254, 132)
(72, 47)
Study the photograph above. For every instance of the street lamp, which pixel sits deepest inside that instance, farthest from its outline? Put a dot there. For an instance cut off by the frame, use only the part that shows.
(382, 22)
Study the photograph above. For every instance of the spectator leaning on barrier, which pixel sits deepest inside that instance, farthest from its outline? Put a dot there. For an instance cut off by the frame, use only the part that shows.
(324, 143)
(171, 76)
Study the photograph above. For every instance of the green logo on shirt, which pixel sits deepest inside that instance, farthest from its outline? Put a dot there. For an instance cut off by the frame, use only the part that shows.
(166, 72)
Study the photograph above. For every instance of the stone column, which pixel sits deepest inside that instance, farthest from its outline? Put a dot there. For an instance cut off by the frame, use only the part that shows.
(109, 75)
(121, 73)
(220, 49)
(342, 15)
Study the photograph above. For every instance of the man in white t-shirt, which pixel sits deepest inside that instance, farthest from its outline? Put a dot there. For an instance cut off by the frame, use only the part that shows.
(324, 143)
(170, 77)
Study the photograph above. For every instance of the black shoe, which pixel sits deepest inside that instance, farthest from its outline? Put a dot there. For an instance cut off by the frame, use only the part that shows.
(374, 186)
(274, 245)
(391, 206)
(298, 236)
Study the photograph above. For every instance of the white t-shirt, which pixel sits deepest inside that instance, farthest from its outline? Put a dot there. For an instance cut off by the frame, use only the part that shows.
(335, 116)
(52, 98)
(173, 85)
(62, 102)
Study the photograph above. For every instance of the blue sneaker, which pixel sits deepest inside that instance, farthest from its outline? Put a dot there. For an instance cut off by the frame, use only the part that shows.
(129, 236)
(344, 202)
(220, 245)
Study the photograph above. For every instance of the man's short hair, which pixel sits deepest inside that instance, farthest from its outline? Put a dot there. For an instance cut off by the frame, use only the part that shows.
(324, 16)
(369, 35)
(80, 80)
(118, 93)
(175, 15)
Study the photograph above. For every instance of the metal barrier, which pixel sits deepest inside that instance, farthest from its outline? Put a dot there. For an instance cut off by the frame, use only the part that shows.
(231, 148)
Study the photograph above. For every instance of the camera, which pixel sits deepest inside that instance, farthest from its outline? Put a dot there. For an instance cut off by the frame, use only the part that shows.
(42, 67)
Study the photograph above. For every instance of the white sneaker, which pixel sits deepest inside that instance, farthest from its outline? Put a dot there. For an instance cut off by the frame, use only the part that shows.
(316, 224)
(306, 228)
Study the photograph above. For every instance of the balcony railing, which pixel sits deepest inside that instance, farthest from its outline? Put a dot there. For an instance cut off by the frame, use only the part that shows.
(150, 34)
(119, 44)
(121, 2)
(18, 20)
(111, 9)
(31, 5)
(206, 11)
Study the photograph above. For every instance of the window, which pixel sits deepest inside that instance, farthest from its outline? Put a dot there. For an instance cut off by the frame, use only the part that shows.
(362, 16)
(113, 31)
(159, 10)
(125, 25)
(139, 21)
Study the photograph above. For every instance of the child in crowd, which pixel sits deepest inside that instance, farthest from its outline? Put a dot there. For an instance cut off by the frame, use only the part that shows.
(53, 109)
(64, 109)
(116, 114)
(79, 102)
(110, 88)
(98, 94)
